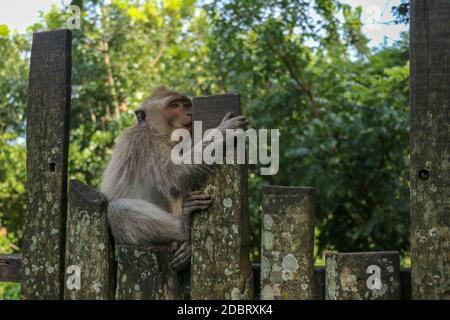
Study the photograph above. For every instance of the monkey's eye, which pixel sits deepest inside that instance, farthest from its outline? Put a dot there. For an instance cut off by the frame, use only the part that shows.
(174, 104)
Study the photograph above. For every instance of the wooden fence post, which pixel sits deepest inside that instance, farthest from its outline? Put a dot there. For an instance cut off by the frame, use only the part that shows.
(10, 267)
(362, 276)
(144, 274)
(90, 270)
(47, 150)
(287, 249)
(221, 267)
(430, 149)
(319, 282)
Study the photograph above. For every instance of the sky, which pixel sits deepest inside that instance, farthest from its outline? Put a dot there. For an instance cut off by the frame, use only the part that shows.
(377, 19)
(376, 15)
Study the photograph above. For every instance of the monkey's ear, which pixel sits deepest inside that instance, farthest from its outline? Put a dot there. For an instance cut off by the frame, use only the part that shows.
(140, 117)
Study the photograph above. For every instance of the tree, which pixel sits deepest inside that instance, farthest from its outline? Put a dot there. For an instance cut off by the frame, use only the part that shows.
(402, 12)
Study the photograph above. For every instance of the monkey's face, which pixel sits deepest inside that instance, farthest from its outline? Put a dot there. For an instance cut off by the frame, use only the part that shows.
(178, 112)
(166, 114)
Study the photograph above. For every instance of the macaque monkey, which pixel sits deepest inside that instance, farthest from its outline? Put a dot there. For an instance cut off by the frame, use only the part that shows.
(151, 199)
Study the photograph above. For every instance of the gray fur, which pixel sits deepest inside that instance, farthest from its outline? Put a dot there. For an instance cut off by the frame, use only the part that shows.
(144, 187)
(138, 222)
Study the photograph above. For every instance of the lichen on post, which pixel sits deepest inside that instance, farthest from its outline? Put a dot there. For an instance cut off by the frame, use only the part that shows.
(47, 154)
(89, 267)
(143, 273)
(221, 267)
(362, 276)
(430, 149)
(287, 249)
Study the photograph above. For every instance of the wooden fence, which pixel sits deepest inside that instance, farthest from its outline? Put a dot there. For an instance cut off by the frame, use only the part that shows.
(69, 253)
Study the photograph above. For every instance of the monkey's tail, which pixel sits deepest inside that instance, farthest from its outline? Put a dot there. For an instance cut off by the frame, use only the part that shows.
(138, 222)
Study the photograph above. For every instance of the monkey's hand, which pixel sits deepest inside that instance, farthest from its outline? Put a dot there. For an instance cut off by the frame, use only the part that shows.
(230, 122)
(196, 201)
(181, 257)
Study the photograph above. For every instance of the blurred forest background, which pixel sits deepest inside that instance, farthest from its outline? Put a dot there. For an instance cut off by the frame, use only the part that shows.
(301, 66)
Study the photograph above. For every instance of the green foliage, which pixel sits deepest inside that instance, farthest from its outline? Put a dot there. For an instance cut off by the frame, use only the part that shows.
(13, 88)
(342, 108)
(342, 112)
(9, 291)
(12, 182)
(4, 30)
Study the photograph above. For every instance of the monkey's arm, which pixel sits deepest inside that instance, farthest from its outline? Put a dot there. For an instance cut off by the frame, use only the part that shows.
(228, 123)
(175, 179)
(189, 174)
(152, 155)
(194, 201)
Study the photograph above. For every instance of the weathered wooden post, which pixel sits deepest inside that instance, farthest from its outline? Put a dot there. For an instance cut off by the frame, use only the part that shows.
(287, 249)
(221, 266)
(10, 267)
(430, 149)
(362, 276)
(144, 274)
(89, 268)
(47, 150)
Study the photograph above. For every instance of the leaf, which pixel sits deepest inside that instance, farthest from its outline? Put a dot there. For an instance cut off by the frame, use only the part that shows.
(4, 30)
